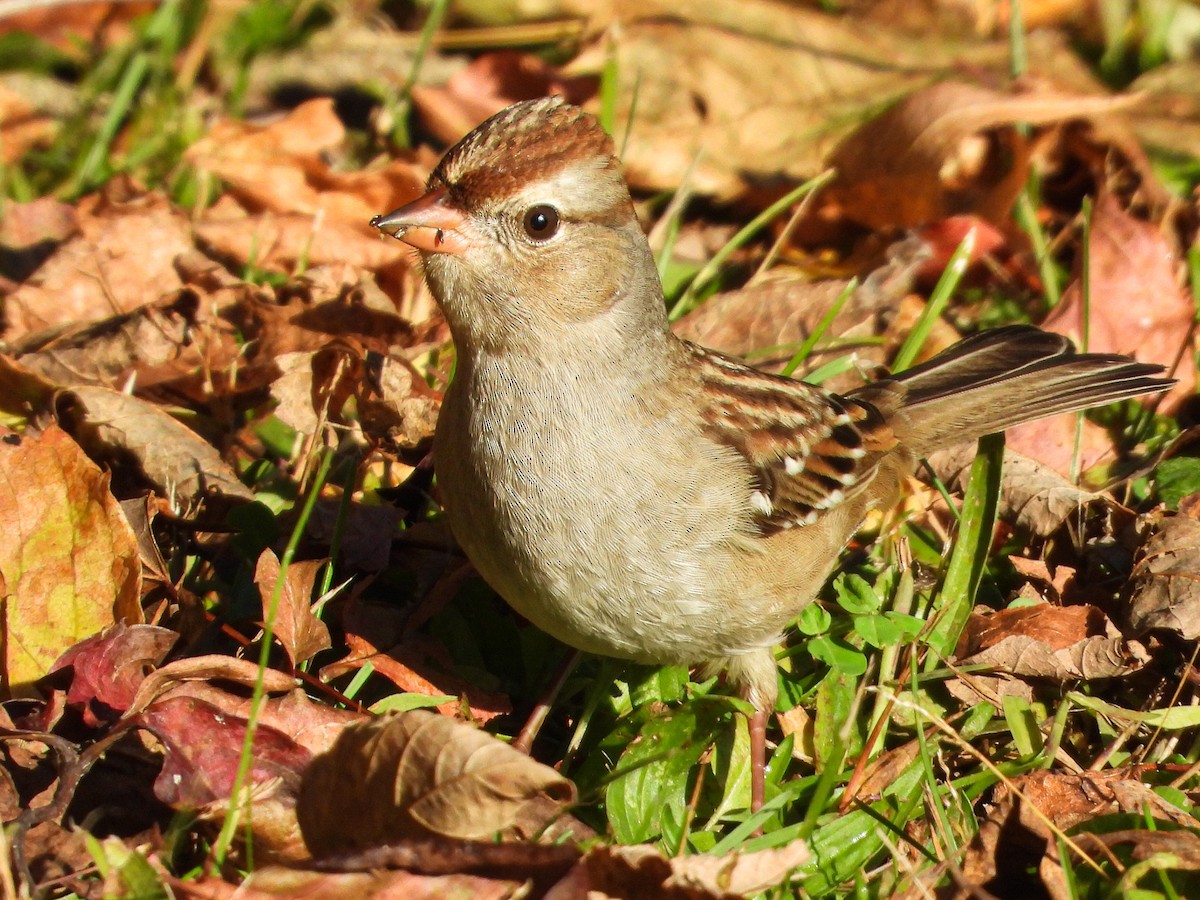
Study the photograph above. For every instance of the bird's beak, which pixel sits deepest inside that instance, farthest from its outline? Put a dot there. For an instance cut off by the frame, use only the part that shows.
(429, 223)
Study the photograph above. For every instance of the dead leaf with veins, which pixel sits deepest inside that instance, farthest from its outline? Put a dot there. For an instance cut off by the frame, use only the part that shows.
(1052, 643)
(69, 564)
(1165, 586)
(176, 460)
(297, 628)
(1032, 496)
(416, 774)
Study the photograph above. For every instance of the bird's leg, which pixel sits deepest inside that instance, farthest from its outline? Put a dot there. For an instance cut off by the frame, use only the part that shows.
(758, 683)
(529, 732)
(758, 758)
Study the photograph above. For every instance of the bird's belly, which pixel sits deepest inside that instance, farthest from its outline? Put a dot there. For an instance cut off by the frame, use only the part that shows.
(593, 562)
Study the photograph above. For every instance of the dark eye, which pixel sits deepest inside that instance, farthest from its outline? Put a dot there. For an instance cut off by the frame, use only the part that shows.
(541, 222)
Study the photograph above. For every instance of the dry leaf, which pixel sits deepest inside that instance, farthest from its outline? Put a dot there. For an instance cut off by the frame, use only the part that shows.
(279, 168)
(300, 632)
(814, 76)
(122, 258)
(945, 150)
(1137, 304)
(380, 884)
(1165, 586)
(1033, 496)
(172, 457)
(106, 352)
(1015, 837)
(643, 871)
(1055, 643)
(69, 562)
(417, 773)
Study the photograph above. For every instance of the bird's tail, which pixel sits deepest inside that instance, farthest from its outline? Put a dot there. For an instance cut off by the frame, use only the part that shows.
(1006, 376)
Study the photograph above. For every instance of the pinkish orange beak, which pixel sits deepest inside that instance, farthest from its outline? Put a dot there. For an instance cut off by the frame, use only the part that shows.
(429, 223)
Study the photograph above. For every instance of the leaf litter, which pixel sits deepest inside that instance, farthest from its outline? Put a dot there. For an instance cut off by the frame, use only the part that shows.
(182, 354)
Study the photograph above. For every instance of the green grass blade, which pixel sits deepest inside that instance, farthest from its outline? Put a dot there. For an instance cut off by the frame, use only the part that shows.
(969, 556)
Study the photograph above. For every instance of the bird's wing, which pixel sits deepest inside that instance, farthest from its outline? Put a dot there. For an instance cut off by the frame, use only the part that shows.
(810, 450)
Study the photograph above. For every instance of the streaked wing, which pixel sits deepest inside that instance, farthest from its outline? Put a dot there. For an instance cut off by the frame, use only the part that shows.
(810, 449)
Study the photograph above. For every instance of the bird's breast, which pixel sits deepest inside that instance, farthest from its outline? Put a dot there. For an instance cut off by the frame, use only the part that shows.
(599, 513)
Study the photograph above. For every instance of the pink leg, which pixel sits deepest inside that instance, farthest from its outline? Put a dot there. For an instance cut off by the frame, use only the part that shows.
(524, 740)
(758, 758)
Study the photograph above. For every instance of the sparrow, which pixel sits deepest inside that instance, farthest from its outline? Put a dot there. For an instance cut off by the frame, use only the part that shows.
(639, 496)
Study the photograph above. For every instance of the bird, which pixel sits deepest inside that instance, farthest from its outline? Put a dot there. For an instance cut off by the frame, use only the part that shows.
(639, 496)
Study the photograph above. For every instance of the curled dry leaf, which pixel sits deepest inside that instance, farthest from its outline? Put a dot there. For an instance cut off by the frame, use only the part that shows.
(279, 167)
(417, 773)
(948, 149)
(108, 668)
(313, 214)
(176, 460)
(1033, 496)
(379, 884)
(1055, 643)
(69, 562)
(1166, 579)
(643, 871)
(215, 667)
(103, 353)
(300, 632)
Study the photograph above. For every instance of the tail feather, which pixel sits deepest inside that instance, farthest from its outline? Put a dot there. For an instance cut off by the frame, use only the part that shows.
(1008, 376)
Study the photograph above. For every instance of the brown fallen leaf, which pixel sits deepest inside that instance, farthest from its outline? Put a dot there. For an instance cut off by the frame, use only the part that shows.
(1032, 496)
(121, 259)
(279, 168)
(1137, 304)
(1165, 586)
(1055, 643)
(418, 773)
(297, 628)
(279, 242)
(68, 559)
(380, 884)
(736, 127)
(172, 457)
(107, 352)
(1015, 837)
(948, 149)
(643, 871)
